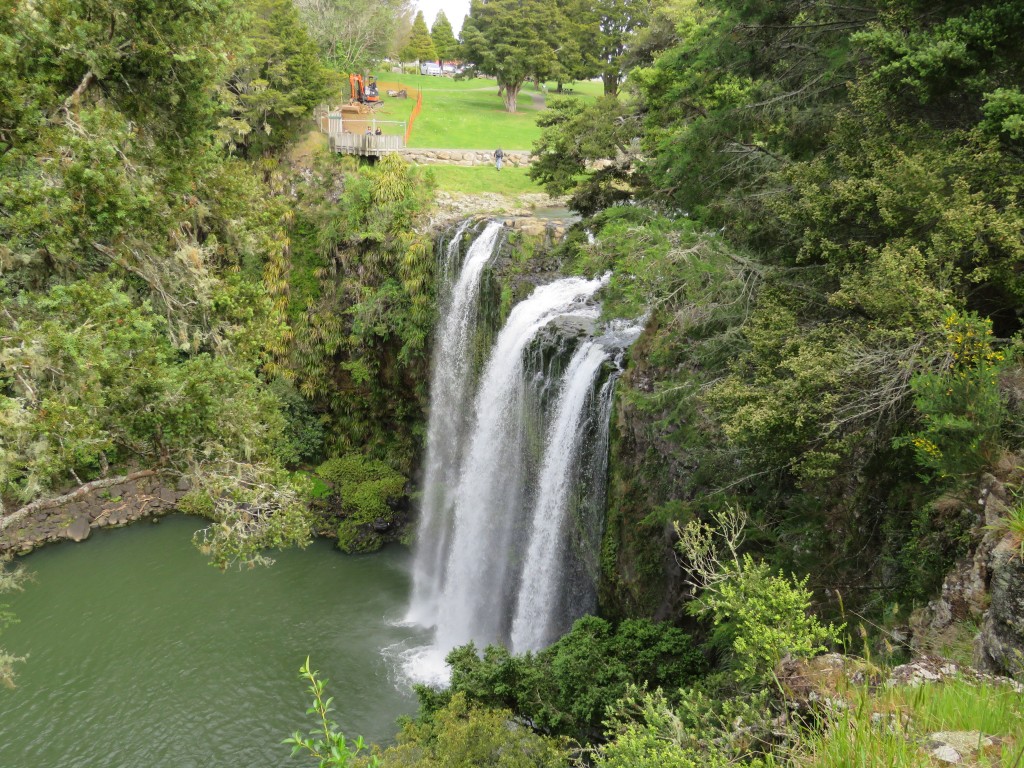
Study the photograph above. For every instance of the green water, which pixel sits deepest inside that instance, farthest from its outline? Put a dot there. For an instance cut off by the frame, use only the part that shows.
(141, 654)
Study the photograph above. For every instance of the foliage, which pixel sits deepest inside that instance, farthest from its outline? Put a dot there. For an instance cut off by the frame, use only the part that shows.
(421, 45)
(464, 735)
(575, 136)
(445, 44)
(353, 34)
(277, 83)
(960, 405)
(11, 580)
(368, 488)
(73, 407)
(566, 688)
(139, 303)
(511, 40)
(360, 352)
(647, 729)
(758, 615)
(254, 508)
(325, 744)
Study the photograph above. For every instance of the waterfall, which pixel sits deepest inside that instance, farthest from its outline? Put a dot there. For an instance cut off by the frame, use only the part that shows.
(489, 499)
(536, 617)
(447, 408)
(514, 478)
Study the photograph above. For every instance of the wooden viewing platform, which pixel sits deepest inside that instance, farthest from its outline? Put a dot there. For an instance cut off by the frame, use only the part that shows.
(366, 144)
(347, 133)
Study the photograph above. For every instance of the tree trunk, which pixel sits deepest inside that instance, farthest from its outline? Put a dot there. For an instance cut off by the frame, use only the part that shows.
(511, 92)
(611, 83)
(559, 86)
(56, 501)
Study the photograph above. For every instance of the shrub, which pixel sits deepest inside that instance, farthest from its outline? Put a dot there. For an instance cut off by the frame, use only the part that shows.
(368, 487)
(566, 688)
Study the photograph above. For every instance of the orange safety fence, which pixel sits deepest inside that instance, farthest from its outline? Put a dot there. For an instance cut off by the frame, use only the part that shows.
(412, 118)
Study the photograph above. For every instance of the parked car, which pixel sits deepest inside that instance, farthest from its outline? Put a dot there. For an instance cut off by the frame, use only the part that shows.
(430, 68)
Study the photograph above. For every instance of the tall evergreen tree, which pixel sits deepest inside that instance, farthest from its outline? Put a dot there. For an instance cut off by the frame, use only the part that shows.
(421, 46)
(441, 33)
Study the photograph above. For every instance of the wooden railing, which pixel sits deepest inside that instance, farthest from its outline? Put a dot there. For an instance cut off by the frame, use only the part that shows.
(365, 144)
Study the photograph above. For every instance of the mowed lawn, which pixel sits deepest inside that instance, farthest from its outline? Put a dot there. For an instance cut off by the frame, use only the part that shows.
(481, 179)
(467, 114)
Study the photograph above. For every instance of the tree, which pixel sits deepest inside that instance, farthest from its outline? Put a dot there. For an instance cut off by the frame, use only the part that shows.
(512, 41)
(421, 46)
(354, 34)
(617, 21)
(277, 83)
(588, 150)
(445, 44)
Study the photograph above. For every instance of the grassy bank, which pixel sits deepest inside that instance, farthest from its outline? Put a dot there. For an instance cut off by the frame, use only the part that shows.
(482, 179)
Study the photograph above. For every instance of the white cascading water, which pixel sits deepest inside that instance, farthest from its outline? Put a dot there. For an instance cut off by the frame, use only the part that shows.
(448, 406)
(536, 617)
(476, 602)
(510, 516)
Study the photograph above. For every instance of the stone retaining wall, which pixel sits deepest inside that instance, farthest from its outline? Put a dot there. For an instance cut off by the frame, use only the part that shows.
(74, 515)
(514, 158)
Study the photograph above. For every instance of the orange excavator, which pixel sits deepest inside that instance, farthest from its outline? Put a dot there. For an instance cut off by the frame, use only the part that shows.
(364, 93)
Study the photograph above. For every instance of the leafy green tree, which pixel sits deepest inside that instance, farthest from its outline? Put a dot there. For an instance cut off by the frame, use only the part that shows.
(464, 735)
(421, 45)
(278, 83)
(589, 150)
(617, 21)
(354, 34)
(566, 688)
(512, 41)
(445, 44)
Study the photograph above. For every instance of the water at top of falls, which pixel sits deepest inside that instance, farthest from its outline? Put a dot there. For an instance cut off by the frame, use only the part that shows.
(532, 627)
(447, 406)
(488, 499)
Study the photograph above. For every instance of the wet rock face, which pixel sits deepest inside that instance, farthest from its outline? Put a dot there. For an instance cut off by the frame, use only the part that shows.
(1000, 645)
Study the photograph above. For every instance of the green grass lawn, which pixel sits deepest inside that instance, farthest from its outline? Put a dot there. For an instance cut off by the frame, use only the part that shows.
(468, 114)
(481, 179)
(589, 90)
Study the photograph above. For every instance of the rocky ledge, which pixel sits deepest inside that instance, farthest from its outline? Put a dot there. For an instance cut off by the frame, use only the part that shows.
(110, 502)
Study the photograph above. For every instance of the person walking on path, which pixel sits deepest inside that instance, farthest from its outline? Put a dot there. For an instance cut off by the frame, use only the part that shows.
(498, 155)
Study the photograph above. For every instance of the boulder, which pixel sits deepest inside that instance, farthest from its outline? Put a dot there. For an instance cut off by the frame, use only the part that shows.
(79, 529)
(823, 680)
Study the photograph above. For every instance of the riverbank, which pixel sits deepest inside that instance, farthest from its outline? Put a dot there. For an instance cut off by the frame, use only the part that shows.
(107, 503)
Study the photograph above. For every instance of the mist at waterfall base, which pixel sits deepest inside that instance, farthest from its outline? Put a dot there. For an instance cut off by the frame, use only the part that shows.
(514, 482)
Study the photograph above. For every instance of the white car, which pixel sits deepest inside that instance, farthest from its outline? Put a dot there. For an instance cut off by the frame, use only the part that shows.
(430, 68)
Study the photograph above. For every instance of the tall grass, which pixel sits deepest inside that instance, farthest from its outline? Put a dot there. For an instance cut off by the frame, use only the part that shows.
(890, 728)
